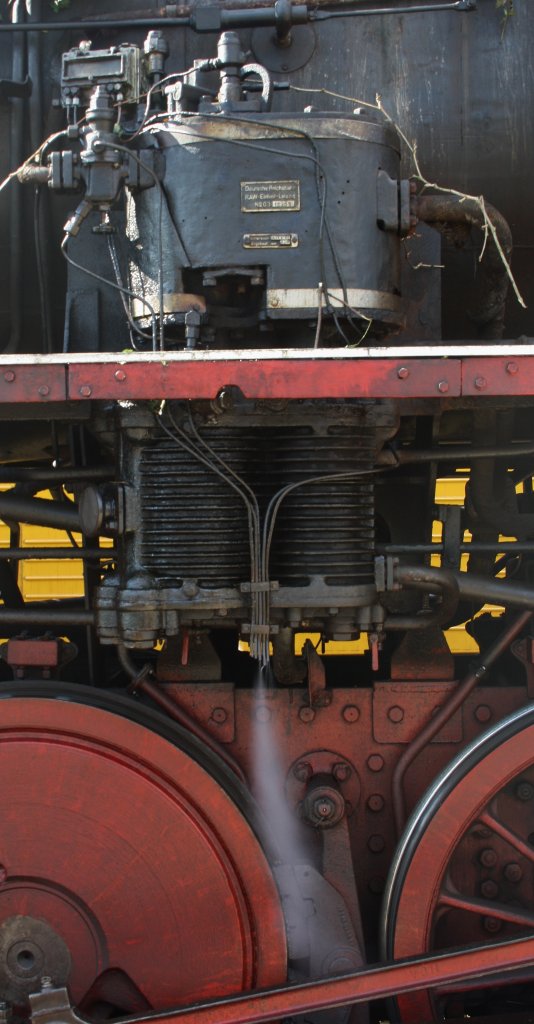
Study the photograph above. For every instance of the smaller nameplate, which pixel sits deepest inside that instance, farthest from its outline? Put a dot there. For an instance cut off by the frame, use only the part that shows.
(282, 240)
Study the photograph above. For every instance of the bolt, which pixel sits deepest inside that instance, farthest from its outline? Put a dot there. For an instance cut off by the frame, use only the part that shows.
(376, 844)
(219, 715)
(480, 383)
(482, 713)
(524, 791)
(489, 889)
(44, 390)
(86, 391)
(119, 375)
(275, 302)
(351, 713)
(46, 981)
(488, 857)
(403, 372)
(512, 368)
(375, 802)
(303, 771)
(324, 808)
(375, 763)
(513, 872)
(341, 772)
(443, 386)
(492, 924)
(306, 714)
(263, 714)
(395, 714)
(9, 376)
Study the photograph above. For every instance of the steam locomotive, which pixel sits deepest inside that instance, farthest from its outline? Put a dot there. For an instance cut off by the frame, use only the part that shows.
(258, 269)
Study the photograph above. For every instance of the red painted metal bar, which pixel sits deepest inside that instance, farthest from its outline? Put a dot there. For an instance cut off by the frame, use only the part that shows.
(429, 372)
(362, 986)
(268, 378)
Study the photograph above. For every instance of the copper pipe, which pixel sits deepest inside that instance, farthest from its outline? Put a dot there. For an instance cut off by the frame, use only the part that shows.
(456, 699)
(142, 684)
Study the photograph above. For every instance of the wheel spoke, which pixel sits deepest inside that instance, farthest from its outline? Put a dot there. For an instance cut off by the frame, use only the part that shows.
(510, 837)
(488, 908)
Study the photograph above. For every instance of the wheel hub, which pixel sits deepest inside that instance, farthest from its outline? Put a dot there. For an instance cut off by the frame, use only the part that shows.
(30, 950)
(129, 870)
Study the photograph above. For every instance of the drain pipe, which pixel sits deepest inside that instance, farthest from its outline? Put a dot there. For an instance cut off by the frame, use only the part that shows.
(451, 216)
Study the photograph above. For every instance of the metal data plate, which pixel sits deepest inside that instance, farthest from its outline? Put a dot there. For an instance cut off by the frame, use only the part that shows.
(271, 240)
(269, 196)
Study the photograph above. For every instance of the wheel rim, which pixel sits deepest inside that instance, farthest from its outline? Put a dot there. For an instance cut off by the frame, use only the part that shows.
(136, 859)
(463, 870)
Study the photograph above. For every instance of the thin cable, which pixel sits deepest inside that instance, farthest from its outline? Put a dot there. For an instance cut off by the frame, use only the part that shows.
(154, 176)
(110, 284)
(321, 184)
(153, 88)
(133, 326)
(232, 479)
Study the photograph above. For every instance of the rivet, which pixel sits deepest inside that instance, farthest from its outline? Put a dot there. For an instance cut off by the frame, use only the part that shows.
(375, 802)
(524, 791)
(44, 390)
(9, 376)
(263, 714)
(512, 368)
(351, 713)
(306, 714)
(86, 390)
(443, 386)
(480, 383)
(483, 713)
(120, 375)
(303, 771)
(396, 713)
(274, 302)
(341, 771)
(513, 872)
(492, 924)
(403, 372)
(219, 715)
(489, 889)
(488, 857)
(375, 763)
(376, 844)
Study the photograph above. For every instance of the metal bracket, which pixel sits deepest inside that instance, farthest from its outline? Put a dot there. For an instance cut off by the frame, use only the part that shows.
(265, 587)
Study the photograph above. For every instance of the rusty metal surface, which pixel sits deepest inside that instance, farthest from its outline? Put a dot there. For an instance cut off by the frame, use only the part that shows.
(145, 844)
(465, 864)
(362, 986)
(350, 747)
(445, 372)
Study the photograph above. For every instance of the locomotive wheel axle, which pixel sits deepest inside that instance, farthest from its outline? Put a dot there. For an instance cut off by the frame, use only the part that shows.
(52, 1005)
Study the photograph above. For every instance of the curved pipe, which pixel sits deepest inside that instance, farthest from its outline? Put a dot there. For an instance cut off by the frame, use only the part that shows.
(486, 589)
(446, 213)
(422, 577)
(456, 699)
(141, 683)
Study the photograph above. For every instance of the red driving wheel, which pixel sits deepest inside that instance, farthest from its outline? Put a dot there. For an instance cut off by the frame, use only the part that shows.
(463, 873)
(128, 870)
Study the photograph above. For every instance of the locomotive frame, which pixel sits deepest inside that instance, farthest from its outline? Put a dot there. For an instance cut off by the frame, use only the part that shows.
(410, 790)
